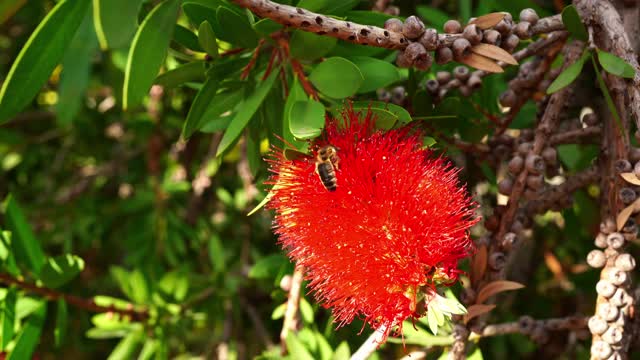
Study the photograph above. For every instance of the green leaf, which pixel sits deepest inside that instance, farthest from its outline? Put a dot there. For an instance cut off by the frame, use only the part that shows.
(308, 46)
(246, 109)
(268, 266)
(40, 55)
(306, 119)
(367, 17)
(465, 9)
(186, 38)
(386, 115)
(29, 336)
(266, 27)
(569, 74)
(224, 101)
(296, 348)
(342, 352)
(573, 23)
(148, 51)
(127, 346)
(189, 72)
(24, 243)
(76, 68)
(115, 21)
(337, 77)
(434, 17)
(149, 349)
(329, 7)
(306, 310)
(432, 319)
(615, 65)
(62, 317)
(205, 96)
(216, 253)
(296, 93)
(8, 317)
(607, 97)
(60, 270)
(377, 73)
(236, 28)
(207, 39)
(9, 7)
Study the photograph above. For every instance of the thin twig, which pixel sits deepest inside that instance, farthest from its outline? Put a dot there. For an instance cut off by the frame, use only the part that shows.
(371, 344)
(293, 303)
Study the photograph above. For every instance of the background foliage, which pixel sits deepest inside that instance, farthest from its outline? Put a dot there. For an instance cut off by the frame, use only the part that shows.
(138, 199)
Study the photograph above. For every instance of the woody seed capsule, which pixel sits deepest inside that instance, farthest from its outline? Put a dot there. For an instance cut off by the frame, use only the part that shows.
(402, 60)
(461, 48)
(414, 51)
(526, 324)
(605, 288)
(607, 311)
(529, 15)
(509, 240)
(615, 240)
(613, 335)
(429, 39)
(397, 95)
(505, 186)
(472, 33)
(616, 276)
(461, 73)
(634, 155)
(508, 98)
(534, 164)
(601, 349)
(492, 37)
(636, 169)
(452, 27)
(474, 81)
(516, 164)
(432, 86)
(597, 325)
(590, 119)
(510, 43)
(413, 27)
(627, 195)
(443, 55)
(443, 77)
(383, 95)
(504, 27)
(625, 262)
(497, 261)
(601, 240)
(622, 165)
(535, 182)
(607, 226)
(423, 63)
(619, 298)
(393, 24)
(550, 155)
(596, 259)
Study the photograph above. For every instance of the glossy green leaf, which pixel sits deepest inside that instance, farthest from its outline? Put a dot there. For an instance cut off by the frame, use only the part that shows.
(329, 7)
(296, 348)
(199, 13)
(59, 270)
(148, 51)
(236, 28)
(386, 115)
(337, 77)
(608, 99)
(212, 120)
(308, 46)
(8, 317)
(306, 310)
(115, 21)
(342, 352)
(29, 336)
(306, 119)
(40, 55)
(127, 346)
(367, 17)
(7, 254)
(189, 72)
(615, 65)
(377, 73)
(199, 106)
(266, 27)
(207, 39)
(24, 243)
(296, 93)
(62, 319)
(433, 17)
(76, 67)
(569, 74)
(573, 23)
(149, 349)
(268, 266)
(245, 112)
(186, 38)
(216, 253)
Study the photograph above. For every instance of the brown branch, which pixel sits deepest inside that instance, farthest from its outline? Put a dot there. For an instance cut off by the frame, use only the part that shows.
(552, 197)
(82, 303)
(516, 327)
(290, 322)
(580, 136)
(356, 33)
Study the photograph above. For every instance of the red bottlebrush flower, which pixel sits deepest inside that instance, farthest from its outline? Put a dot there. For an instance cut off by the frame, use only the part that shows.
(393, 229)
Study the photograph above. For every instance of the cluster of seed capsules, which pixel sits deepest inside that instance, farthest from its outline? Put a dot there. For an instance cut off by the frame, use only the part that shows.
(455, 45)
(614, 307)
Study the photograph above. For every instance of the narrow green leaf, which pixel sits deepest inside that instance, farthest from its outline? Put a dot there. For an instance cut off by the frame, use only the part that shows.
(59, 270)
(189, 72)
(296, 93)
(465, 9)
(342, 352)
(29, 336)
(433, 16)
(127, 346)
(24, 243)
(148, 51)
(268, 266)
(186, 38)
(569, 74)
(62, 319)
(266, 27)
(149, 349)
(306, 119)
(216, 253)
(615, 65)
(245, 112)
(308, 46)
(296, 348)
(199, 106)
(224, 101)
(573, 23)
(115, 21)
(40, 55)
(199, 13)
(377, 73)
(236, 28)
(337, 77)
(306, 310)
(207, 39)
(8, 317)
(386, 114)
(76, 68)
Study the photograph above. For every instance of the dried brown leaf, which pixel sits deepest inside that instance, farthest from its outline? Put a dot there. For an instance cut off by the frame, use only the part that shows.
(495, 287)
(479, 264)
(630, 178)
(489, 20)
(624, 215)
(494, 52)
(482, 63)
(477, 310)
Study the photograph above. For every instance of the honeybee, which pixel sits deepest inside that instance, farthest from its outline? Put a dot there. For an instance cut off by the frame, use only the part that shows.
(326, 163)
